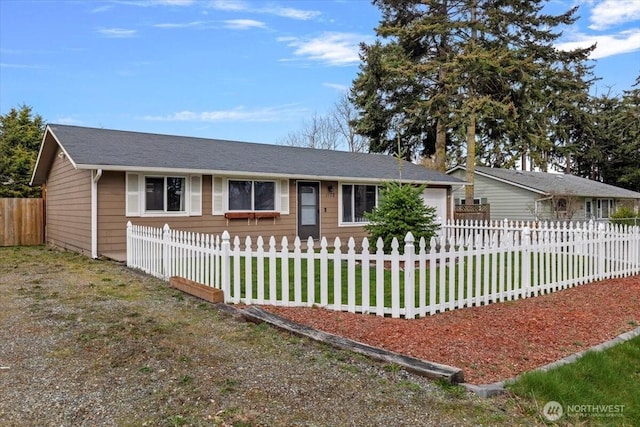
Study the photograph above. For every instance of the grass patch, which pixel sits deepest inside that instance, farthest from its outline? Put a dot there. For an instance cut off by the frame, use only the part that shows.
(468, 279)
(453, 390)
(600, 387)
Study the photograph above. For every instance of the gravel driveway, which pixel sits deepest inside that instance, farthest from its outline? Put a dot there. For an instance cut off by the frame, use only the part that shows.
(92, 343)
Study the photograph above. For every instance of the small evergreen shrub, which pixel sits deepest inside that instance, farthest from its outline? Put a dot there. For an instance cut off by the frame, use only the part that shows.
(626, 216)
(401, 210)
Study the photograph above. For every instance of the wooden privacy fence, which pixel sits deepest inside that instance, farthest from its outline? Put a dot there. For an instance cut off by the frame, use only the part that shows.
(415, 279)
(22, 222)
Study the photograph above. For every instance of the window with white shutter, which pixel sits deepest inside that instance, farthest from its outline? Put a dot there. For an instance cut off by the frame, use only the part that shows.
(284, 196)
(195, 195)
(133, 194)
(218, 207)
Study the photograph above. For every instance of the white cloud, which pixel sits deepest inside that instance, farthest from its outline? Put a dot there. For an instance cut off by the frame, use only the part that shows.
(68, 121)
(336, 86)
(23, 66)
(339, 49)
(117, 32)
(607, 44)
(175, 2)
(101, 9)
(147, 3)
(239, 114)
(234, 24)
(244, 24)
(230, 5)
(285, 12)
(194, 24)
(609, 13)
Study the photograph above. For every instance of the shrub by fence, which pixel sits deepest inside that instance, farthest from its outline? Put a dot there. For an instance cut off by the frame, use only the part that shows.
(467, 265)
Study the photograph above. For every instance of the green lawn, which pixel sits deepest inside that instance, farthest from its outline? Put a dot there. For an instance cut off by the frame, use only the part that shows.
(473, 276)
(600, 388)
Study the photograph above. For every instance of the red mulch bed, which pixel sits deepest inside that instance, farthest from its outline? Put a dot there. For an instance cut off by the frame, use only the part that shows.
(499, 341)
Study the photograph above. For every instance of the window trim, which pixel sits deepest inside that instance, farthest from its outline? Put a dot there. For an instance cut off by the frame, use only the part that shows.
(611, 204)
(136, 201)
(561, 205)
(220, 194)
(165, 200)
(341, 222)
(253, 195)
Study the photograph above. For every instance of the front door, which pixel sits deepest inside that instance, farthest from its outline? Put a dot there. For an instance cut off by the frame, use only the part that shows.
(308, 210)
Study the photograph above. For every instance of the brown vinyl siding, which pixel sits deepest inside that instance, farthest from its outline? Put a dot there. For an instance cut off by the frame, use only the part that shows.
(68, 206)
(329, 218)
(112, 220)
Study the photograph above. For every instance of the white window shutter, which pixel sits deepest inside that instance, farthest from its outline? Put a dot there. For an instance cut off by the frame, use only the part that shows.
(195, 195)
(284, 196)
(133, 194)
(218, 196)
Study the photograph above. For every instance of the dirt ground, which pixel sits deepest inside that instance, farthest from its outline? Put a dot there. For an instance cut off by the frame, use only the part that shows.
(93, 343)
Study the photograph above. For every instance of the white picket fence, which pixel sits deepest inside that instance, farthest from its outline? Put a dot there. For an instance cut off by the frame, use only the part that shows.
(466, 265)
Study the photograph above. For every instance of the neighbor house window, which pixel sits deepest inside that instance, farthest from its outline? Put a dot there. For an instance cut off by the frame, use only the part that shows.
(605, 208)
(588, 209)
(357, 200)
(561, 205)
(252, 195)
(478, 201)
(165, 194)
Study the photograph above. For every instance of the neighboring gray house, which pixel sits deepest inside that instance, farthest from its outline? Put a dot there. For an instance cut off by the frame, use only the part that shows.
(526, 195)
(95, 180)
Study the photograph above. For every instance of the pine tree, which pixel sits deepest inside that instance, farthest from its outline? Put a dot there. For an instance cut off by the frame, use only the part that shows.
(21, 133)
(451, 68)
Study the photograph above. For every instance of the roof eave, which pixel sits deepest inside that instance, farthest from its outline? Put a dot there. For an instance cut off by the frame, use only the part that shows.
(45, 158)
(186, 171)
(515, 184)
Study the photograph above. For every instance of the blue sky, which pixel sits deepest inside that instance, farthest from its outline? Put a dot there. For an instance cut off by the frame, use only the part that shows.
(242, 70)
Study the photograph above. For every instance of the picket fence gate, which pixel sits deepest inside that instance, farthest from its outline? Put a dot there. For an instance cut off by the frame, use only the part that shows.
(465, 265)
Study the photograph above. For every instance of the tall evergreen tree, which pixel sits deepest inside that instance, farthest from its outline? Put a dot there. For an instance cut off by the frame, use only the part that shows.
(607, 149)
(21, 133)
(451, 68)
(624, 169)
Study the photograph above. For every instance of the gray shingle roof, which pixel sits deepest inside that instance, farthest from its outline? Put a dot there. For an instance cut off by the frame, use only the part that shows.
(559, 184)
(114, 149)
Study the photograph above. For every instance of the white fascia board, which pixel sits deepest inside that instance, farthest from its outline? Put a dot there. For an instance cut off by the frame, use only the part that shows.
(246, 174)
(42, 146)
(44, 137)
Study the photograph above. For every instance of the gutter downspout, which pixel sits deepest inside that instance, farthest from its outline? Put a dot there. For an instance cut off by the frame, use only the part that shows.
(95, 177)
(536, 204)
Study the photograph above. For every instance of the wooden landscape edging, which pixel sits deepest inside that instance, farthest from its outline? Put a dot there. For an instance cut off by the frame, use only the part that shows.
(196, 289)
(417, 366)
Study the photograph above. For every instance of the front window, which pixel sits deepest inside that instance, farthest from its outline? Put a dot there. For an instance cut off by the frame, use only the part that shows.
(165, 194)
(357, 200)
(252, 195)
